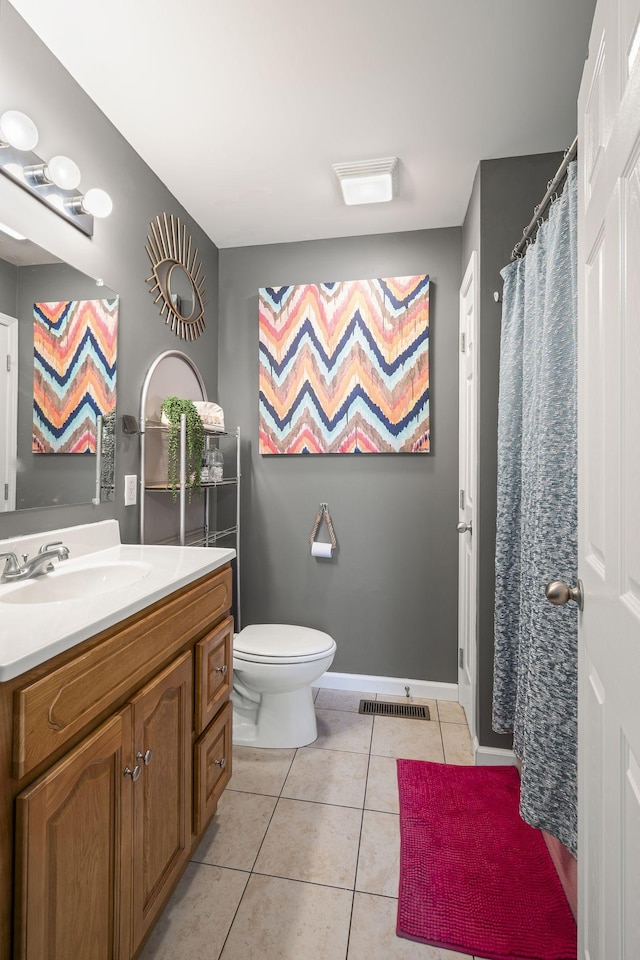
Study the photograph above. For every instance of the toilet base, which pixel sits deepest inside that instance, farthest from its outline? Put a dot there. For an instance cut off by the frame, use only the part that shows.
(278, 720)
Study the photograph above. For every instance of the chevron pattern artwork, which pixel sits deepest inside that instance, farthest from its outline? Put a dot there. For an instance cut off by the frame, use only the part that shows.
(344, 367)
(74, 380)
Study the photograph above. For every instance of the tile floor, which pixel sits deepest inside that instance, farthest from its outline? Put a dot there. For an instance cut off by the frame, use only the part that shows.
(301, 860)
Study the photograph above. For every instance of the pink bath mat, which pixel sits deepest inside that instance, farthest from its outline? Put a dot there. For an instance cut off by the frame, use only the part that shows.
(474, 877)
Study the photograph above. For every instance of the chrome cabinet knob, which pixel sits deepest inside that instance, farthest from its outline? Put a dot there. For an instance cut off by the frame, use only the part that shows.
(463, 527)
(135, 773)
(145, 757)
(222, 762)
(558, 592)
(222, 669)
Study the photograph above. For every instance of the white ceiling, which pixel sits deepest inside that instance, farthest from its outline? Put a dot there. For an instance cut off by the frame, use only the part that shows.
(242, 106)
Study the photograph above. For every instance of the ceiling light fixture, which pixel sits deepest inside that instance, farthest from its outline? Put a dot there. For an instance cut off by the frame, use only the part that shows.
(368, 181)
(53, 182)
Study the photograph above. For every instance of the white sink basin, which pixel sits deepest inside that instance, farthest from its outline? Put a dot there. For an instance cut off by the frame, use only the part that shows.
(79, 584)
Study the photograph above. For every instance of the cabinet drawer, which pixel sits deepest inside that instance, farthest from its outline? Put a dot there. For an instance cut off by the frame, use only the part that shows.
(214, 672)
(51, 710)
(212, 768)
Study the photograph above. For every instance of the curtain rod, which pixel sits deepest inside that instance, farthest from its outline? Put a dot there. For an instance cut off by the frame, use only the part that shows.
(538, 211)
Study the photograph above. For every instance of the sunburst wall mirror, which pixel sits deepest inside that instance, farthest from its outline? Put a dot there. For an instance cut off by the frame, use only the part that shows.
(177, 278)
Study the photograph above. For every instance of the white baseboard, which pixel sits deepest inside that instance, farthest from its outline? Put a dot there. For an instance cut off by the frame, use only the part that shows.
(494, 757)
(393, 686)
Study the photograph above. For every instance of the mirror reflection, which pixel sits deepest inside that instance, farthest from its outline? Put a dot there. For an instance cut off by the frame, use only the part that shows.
(59, 327)
(180, 290)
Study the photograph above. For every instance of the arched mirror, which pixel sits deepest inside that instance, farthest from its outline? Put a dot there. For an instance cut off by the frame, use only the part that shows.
(177, 278)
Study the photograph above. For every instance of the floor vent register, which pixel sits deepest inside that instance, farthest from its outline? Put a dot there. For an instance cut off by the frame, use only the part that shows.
(378, 708)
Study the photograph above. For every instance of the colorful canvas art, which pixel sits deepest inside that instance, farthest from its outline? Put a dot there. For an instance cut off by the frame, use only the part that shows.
(74, 380)
(344, 367)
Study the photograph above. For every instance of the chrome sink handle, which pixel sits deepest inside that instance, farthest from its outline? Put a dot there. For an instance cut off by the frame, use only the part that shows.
(63, 553)
(11, 566)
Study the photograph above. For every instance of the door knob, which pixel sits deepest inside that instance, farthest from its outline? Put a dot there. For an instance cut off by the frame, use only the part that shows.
(135, 773)
(145, 757)
(463, 527)
(558, 592)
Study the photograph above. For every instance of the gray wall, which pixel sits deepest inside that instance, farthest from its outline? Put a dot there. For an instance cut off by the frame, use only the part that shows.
(32, 80)
(389, 597)
(8, 288)
(504, 194)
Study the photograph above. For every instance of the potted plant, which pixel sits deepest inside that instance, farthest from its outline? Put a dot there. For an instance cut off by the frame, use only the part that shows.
(173, 408)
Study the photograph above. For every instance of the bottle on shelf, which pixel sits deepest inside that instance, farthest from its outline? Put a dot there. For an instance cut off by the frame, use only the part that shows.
(216, 465)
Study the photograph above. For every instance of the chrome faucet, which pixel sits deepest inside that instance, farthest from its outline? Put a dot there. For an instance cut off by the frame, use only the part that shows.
(34, 567)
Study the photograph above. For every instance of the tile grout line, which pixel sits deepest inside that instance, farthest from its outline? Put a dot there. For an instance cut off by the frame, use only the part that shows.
(251, 872)
(235, 914)
(364, 801)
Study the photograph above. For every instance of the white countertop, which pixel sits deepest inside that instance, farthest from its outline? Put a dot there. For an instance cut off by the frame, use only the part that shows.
(32, 633)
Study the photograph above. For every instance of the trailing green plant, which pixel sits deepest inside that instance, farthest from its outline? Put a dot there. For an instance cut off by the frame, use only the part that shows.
(173, 408)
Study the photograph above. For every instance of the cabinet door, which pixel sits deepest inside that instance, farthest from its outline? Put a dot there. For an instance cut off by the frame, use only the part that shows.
(162, 732)
(214, 672)
(73, 852)
(212, 768)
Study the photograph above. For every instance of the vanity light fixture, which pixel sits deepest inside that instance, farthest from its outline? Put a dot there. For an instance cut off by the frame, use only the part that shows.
(368, 181)
(54, 182)
(18, 130)
(97, 202)
(60, 170)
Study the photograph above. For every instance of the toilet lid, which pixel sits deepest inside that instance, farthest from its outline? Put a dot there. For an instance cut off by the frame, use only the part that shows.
(281, 640)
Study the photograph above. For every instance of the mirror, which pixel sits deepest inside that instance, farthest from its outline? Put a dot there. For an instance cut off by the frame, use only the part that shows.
(30, 275)
(181, 291)
(177, 280)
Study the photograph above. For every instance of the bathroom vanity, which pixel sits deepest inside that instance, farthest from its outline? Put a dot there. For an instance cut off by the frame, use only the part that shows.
(114, 751)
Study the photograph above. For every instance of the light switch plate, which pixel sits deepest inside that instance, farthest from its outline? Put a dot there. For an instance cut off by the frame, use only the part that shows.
(130, 490)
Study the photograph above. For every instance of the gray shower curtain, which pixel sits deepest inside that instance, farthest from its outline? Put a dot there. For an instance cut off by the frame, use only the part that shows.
(535, 667)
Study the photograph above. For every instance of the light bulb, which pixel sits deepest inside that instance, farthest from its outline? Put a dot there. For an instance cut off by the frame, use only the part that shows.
(56, 201)
(18, 130)
(63, 172)
(15, 170)
(97, 202)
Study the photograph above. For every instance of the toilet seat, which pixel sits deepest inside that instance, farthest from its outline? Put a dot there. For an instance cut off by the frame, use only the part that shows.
(281, 643)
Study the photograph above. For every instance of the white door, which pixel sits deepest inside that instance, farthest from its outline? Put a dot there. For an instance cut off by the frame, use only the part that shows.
(8, 410)
(468, 495)
(609, 487)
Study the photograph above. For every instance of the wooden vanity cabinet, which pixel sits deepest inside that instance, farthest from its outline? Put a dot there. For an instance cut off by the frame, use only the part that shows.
(103, 834)
(162, 728)
(73, 853)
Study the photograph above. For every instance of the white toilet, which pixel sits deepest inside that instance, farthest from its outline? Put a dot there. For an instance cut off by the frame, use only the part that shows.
(274, 666)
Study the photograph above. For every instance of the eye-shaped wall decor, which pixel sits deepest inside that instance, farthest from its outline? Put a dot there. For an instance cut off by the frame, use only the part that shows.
(177, 276)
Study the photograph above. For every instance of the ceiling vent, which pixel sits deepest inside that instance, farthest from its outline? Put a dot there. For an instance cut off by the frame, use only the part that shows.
(369, 181)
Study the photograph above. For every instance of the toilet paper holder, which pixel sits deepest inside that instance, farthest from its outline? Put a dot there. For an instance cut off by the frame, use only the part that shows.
(323, 514)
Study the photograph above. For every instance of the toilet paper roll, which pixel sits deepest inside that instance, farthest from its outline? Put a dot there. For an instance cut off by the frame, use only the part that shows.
(321, 549)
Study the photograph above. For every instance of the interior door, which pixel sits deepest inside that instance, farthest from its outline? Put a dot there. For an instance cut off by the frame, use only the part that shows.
(8, 410)
(468, 494)
(609, 486)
